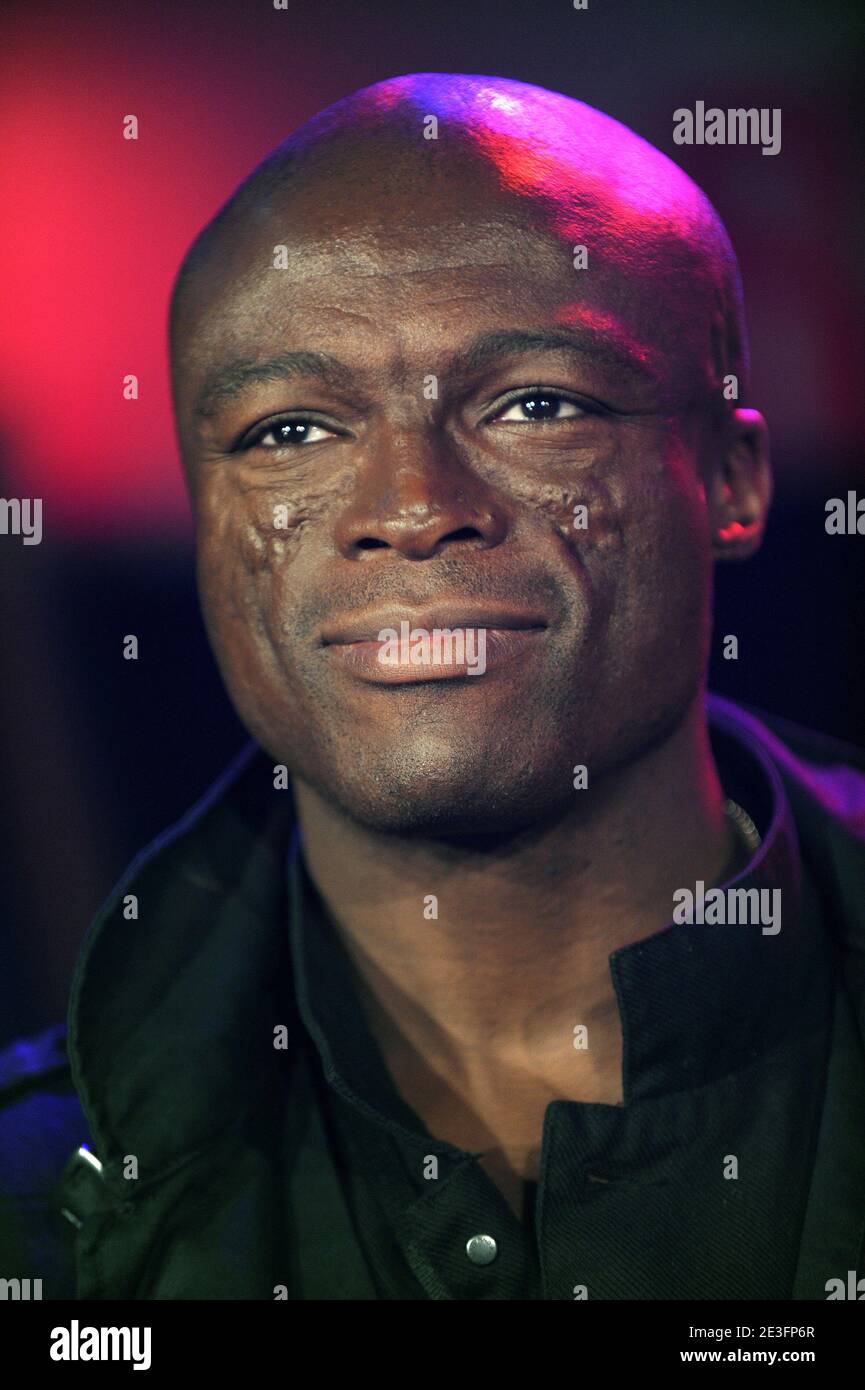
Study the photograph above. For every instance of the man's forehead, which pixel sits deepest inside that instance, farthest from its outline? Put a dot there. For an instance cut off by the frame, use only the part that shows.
(286, 261)
(289, 265)
(362, 247)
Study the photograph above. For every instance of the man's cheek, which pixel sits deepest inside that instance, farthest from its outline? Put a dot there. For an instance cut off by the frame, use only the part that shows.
(586, 517)
(656, 508)
(579, 498)
(234, 561)
(668, 590)
(266, 530)
(263, 521)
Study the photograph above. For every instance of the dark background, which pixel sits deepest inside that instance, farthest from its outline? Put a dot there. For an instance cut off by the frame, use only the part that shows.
(98, 753)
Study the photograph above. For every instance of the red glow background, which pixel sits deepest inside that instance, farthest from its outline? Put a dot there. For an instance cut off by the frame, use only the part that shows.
(96, 224)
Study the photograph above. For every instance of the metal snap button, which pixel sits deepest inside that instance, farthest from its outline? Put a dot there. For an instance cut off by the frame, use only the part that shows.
(481, 1250)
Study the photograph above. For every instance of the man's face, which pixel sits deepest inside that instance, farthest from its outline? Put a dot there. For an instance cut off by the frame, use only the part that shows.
(436, 474)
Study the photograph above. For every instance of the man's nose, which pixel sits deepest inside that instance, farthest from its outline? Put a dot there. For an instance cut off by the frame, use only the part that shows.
(416, 496)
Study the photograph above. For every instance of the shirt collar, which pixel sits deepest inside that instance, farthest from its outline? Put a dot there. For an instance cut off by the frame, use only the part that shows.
(699, 1001)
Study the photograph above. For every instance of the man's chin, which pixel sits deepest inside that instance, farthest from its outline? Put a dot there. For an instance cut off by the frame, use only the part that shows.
(457, 808)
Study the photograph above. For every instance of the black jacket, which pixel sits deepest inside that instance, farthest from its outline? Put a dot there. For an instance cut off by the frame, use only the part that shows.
(202, 1136)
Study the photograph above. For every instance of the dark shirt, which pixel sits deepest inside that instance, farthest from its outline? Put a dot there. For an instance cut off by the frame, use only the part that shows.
(695, 1187)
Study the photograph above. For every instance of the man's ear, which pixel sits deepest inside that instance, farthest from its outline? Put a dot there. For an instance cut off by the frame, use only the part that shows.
(739, 489)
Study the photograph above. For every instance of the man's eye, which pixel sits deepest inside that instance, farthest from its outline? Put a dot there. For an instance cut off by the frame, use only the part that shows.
(289, 433)
(540, 405)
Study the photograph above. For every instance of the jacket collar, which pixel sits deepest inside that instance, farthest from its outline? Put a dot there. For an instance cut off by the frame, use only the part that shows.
(185, 972)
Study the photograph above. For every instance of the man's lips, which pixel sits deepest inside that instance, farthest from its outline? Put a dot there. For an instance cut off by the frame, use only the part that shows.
(366, 626)
(482, 637)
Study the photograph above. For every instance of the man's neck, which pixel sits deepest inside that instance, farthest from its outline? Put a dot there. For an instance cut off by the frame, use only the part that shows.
(519, 947)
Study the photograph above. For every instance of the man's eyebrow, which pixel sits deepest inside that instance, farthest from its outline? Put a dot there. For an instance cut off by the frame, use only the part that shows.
(612, 348)
(229, 381)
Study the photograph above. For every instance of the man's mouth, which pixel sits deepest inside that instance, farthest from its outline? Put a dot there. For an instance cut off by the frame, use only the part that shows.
(400, 646)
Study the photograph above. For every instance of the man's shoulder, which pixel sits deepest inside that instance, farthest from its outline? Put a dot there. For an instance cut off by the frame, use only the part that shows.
(810, 744)
(824, 776)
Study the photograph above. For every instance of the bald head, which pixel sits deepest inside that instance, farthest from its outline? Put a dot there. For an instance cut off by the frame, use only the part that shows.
(433, 146)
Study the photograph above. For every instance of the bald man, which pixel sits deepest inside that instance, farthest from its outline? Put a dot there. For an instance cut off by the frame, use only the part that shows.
(506, 963)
